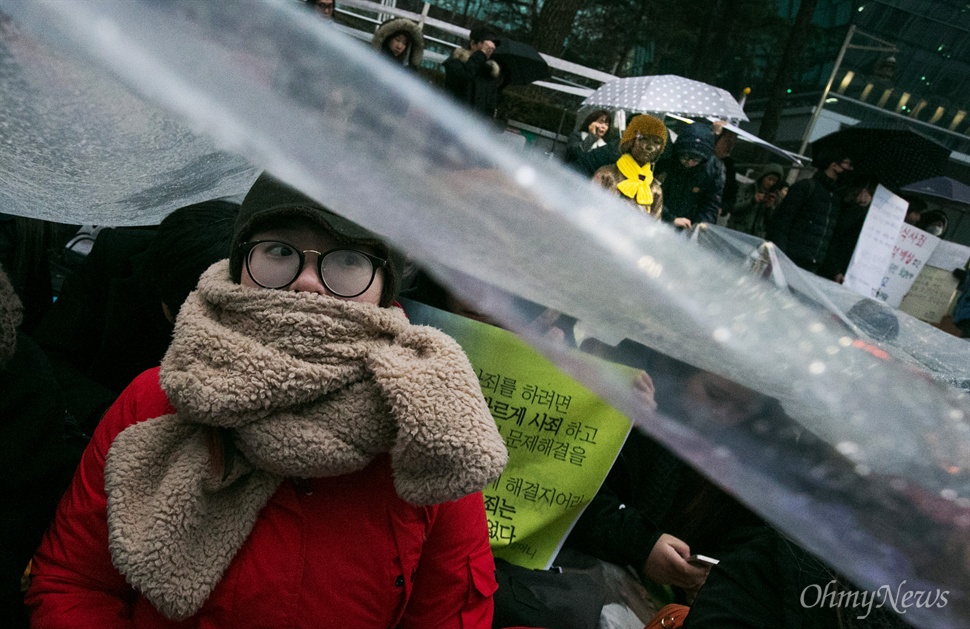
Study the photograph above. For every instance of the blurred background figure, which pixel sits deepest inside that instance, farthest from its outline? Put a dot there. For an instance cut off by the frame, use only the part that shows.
(961, 309)
(934, 222)
(723, 147)
(24, 246)
(692, 178)
(852, 215)
(36, 457)
(803, 224)
(324, 8)
(588, 135)
(914, 212)
(402, 40)
(756, 201)
(654, 510)
(116, 311)
(471, 76)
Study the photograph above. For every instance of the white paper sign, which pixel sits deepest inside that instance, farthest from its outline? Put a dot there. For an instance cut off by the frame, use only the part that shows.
(913, 248)
(949, 256)
(874, 250)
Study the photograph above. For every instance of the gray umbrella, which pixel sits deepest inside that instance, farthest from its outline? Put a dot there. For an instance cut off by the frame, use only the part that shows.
(666, 93)
(943, 188)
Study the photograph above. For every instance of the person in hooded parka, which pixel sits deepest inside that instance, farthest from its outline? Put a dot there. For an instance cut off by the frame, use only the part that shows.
(402, 40)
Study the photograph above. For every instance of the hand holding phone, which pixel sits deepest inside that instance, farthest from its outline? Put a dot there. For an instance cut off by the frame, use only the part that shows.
(702, 561)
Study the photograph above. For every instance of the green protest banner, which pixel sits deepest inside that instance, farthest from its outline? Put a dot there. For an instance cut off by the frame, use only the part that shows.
(562, 438)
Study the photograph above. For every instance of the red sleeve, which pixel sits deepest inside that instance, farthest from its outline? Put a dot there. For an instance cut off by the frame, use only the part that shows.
(73, 582)
(456, 574)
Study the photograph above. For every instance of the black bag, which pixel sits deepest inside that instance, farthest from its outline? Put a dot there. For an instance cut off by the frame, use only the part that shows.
(551, 599)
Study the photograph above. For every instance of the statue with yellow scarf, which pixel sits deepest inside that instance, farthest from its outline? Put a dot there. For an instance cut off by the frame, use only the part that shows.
(631, 176)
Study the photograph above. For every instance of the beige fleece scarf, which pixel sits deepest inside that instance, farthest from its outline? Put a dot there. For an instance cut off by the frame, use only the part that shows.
(301, 386)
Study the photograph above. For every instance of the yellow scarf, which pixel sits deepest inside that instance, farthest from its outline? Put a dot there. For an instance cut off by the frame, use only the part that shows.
(638, 180)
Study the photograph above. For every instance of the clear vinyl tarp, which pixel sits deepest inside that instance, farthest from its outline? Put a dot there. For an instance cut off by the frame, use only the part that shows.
(118, 111)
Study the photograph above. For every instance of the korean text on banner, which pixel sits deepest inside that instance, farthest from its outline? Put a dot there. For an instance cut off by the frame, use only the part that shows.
(562, 438)
(913, 248)
(880, 231)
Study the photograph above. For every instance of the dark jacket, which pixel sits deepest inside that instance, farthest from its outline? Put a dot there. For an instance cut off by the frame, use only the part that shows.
(37, 464)
(589, 162)
(577, 144)
(761, 584)
(474, 80)
(730, 195)
(844, 239)
(107, 326)
(750, 216)
(803, 224)
(649, 492)
(693, 193)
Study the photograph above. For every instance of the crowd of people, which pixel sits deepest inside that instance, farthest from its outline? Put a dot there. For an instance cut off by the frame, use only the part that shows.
(228, 420)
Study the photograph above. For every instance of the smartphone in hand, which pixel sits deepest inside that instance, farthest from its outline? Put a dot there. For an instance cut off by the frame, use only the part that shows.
(702, 561)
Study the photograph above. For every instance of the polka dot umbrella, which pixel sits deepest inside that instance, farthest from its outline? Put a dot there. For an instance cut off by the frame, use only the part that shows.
(666, 94)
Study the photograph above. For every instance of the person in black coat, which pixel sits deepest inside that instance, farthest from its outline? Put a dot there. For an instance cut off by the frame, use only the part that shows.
(723, 147)
(803, 224)
(115, 315)
(471, 76)
(852, 216)
(654, 510)
(692, 178)
(38, 458)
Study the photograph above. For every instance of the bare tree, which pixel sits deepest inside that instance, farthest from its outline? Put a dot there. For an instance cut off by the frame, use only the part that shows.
(554, 24)
(786, 68)
(714, 35)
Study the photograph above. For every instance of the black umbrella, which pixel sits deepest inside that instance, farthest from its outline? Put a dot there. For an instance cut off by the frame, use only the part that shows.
(896, 157)
(521, 64)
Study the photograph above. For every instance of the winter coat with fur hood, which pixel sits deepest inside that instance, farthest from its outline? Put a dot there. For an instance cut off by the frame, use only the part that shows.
(313, 542)
(473, 79)
(414, 53)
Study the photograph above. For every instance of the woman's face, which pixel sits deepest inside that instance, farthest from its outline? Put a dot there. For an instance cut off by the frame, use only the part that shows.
(863, 198)
(398, 44)
(599, 127)
(306, 236)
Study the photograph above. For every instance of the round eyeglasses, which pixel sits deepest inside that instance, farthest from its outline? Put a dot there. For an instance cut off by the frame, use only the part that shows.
(276, 264)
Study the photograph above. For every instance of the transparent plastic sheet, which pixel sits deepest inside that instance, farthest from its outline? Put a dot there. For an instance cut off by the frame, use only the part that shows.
(79, 148)
(905, 337)
(883, 500)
